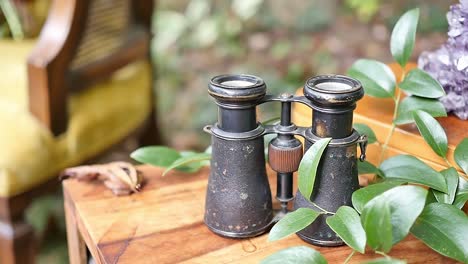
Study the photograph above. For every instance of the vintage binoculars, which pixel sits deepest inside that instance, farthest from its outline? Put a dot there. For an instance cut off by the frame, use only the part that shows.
(238, 200)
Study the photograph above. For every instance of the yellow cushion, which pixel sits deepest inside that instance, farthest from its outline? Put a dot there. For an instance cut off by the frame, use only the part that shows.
(99, 117)
(26, 150)
(109, 111)
(13, 78)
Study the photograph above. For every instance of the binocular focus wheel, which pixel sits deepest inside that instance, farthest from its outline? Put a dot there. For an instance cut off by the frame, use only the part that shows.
(284, 160)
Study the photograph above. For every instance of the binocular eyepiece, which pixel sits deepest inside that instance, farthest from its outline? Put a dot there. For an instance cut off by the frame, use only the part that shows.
(238, 200)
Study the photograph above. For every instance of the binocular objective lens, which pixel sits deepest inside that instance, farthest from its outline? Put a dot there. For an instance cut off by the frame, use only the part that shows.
(237, 83)
(334, 86)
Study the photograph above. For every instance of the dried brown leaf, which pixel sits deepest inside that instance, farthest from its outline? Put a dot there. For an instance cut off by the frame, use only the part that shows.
(121, 177)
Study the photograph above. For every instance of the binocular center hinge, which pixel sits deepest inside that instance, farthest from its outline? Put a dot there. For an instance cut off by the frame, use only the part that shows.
(362, 141)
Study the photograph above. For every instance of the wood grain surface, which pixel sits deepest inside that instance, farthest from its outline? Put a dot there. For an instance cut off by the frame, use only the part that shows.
(164, 224)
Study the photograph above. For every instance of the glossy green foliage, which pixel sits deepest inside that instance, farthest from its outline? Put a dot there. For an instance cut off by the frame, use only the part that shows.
(377, 78)
(403, 36)
(292, 223)
(347, 224)
(308, 167)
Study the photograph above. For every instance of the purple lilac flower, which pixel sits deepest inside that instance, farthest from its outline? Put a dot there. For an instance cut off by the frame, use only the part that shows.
(449, 63)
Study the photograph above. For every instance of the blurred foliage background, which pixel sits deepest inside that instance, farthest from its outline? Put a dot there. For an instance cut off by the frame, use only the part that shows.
(284, 42)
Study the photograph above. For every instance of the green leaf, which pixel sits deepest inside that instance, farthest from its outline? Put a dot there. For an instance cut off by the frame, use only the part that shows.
(186, 160)
(364, 129)
(159, 156)
(406, 203)
(194, 166)
(462, 193)
(460, 200)
(292, 222)
(308, 167)
(432, 132)
(362, 196)
(431, 197)
(462, 185)
(420, 83)
(461, 155)
(376, 220)
(386, 261)
(366, 167)
(294, 255)
(444, 228)
(411, 103)
(403, 36)
(411, 169)
(451, 178)
(347, 224)
(377, 78)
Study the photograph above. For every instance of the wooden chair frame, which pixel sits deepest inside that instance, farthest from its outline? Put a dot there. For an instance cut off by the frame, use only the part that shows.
(50, 82)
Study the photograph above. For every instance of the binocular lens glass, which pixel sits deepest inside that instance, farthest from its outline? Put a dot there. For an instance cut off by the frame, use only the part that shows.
(237, 83)
(334, 86)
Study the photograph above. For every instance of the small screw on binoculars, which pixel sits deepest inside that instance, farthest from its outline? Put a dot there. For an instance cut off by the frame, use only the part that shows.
(238, 199)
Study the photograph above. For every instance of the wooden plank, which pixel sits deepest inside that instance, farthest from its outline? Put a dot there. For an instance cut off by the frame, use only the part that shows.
(164, 224)
(76, 245)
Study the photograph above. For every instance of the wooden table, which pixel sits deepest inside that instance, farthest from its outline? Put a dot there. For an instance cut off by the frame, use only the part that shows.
(164, 224)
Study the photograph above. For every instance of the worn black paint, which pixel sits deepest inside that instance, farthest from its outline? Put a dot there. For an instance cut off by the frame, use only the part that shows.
(238, 199)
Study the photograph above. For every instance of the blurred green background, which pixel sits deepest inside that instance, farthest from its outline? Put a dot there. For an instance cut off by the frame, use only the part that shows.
(284, 42)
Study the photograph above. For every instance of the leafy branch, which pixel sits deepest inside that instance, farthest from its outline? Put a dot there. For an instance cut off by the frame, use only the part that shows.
(161, 156)
(385, 212)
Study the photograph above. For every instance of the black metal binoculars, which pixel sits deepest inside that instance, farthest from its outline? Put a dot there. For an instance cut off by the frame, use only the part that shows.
(238, 200)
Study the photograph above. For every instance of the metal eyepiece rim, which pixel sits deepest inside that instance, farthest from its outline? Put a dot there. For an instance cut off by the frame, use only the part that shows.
(220, 81)
(353, 84)
(235, 94)
(329, 98)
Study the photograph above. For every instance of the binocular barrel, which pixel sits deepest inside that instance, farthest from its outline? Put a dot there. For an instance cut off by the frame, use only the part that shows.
(337, 176)
(238, 200)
